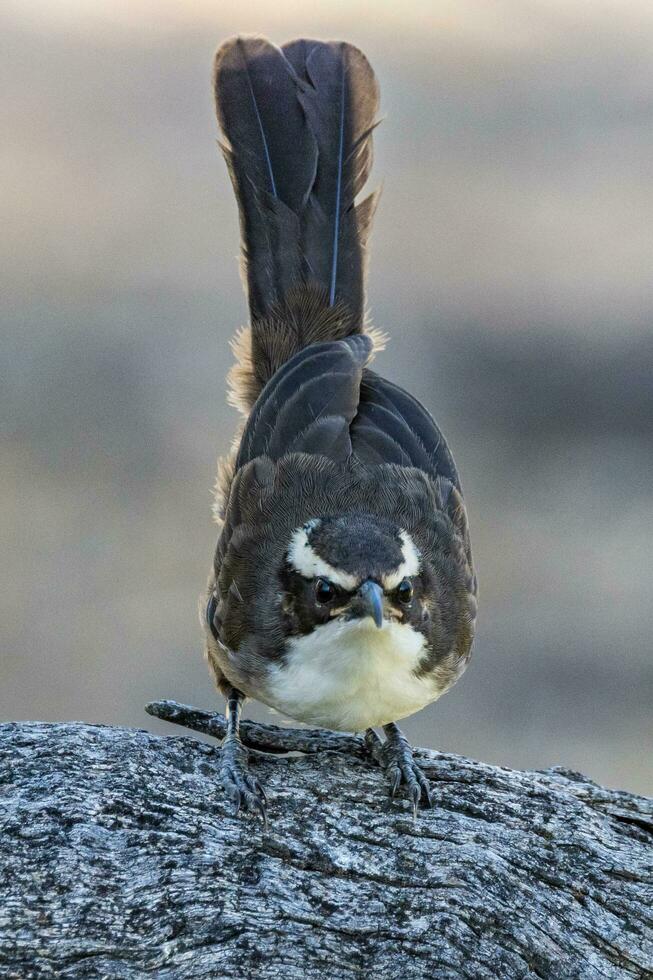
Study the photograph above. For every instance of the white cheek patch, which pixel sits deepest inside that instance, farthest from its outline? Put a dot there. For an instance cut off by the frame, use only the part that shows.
(410, 564)
(309, 564)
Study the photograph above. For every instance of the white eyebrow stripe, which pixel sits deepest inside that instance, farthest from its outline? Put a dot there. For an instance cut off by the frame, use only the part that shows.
(410, 564)
(309, 564)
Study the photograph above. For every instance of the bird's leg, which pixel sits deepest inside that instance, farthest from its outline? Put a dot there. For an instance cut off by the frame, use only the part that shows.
(243, 789)
(396, 757)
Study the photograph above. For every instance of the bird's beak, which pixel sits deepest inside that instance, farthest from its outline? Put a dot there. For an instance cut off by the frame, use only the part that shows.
(371, 595)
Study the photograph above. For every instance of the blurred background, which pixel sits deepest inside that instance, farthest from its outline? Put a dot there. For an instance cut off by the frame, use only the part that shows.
(511, 263)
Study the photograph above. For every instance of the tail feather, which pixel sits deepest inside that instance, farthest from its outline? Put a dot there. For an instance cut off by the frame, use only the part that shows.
(271, 157)
(297, 123)
(340, 99)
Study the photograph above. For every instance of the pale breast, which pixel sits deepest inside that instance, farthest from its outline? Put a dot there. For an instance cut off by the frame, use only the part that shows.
(351, 676)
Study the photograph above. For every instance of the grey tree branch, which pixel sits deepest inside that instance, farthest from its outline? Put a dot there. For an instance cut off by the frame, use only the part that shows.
(264, 738)
(119, 859)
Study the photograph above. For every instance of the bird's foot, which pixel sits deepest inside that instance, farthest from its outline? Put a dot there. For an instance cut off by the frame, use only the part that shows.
(395, 756)
(243, 789)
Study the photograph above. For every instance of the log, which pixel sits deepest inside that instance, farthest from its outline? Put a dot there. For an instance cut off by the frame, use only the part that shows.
(120, 858)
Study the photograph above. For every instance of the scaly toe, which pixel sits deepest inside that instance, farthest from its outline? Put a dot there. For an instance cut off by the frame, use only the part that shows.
(244, 796)
(242, 789)
(396, 758)
(255, 787)
(394, 772)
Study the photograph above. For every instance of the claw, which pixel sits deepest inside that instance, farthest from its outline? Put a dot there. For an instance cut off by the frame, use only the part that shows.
(396, 782)
(396, 757)
(255, 803)
(416, 795)
(426, 789)
(239, 785)
(259, 806)
(237, 788)
(256, 787)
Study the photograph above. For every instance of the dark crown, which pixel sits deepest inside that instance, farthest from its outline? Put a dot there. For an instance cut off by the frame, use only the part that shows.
(359, 544)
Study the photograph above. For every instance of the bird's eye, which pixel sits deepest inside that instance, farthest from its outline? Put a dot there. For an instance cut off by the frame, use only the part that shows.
(324, 591)
(405, 591)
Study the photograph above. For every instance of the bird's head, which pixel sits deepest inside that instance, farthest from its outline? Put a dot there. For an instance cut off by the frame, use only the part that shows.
(356, 567)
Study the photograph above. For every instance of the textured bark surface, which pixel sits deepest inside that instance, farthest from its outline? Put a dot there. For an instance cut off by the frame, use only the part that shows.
(119, 858)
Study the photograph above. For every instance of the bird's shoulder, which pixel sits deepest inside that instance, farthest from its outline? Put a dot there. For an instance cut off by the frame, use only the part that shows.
(326, 402)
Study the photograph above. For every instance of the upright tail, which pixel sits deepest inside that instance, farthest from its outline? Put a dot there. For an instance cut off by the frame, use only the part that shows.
(297, 124)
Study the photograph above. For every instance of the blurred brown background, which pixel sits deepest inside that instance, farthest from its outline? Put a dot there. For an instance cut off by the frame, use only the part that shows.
(511, 264)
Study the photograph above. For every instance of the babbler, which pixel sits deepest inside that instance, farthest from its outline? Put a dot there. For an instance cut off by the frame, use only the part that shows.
(342, 592)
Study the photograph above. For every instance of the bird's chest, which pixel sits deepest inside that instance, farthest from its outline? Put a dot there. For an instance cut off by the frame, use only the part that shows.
(351, 676)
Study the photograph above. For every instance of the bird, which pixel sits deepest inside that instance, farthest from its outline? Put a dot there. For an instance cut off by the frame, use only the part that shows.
(342, 592)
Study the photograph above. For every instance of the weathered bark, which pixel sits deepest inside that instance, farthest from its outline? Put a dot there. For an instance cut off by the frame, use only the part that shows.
(119, 858)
